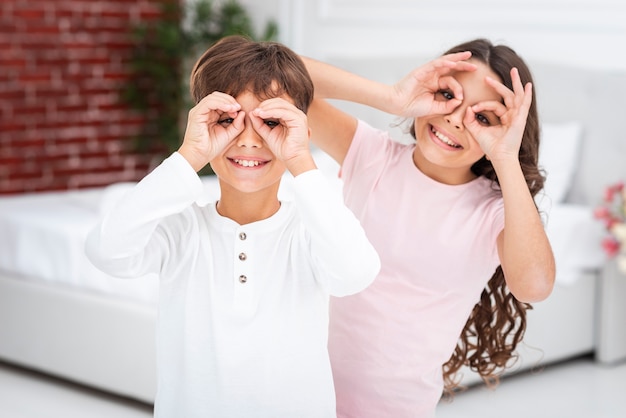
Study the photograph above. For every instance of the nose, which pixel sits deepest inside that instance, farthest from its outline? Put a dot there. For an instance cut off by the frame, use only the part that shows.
(249, 138)
(455, 118)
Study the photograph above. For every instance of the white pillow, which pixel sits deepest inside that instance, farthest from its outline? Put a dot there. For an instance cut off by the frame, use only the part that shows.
(558, 156)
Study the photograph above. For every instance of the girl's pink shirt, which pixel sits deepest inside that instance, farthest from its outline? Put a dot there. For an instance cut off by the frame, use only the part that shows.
(437, 245)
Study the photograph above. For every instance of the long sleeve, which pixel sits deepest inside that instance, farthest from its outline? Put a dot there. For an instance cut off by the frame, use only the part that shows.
(339, 245)
(127, 242)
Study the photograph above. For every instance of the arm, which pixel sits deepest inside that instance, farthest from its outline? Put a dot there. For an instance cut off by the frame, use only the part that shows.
(130, 240)
(341, 252)
(412, 96)
(345, 259)
(126, 242)
(525, 252)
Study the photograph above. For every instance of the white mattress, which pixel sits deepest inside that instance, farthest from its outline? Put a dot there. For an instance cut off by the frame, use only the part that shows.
(576, 239)
(43, 237)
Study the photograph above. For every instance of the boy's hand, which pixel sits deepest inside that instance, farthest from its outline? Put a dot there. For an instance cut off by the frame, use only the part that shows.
(285, 130)
(502, 142)
(415, 94)
(206, 134)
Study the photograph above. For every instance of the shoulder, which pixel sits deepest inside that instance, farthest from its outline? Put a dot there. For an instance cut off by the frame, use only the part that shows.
(371, 147)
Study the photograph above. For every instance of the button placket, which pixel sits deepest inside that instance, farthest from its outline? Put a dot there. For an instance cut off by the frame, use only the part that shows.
(242, 275)
(239, 267)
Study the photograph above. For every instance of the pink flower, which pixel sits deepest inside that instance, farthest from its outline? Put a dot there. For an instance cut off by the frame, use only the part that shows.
(610, 222)
(601, 212)
(613, 216)
(610, 246)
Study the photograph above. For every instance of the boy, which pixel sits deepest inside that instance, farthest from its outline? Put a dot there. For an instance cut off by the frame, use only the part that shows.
(245, 281)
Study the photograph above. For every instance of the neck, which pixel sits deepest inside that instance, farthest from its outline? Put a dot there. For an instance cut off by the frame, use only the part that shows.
(446, 175)
(245, 208)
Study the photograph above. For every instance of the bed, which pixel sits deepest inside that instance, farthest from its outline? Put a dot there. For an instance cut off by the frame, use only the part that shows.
(60, 315)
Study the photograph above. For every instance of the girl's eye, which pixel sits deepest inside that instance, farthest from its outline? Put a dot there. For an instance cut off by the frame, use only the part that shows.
(271, 123)
(446, 94)
(487, 120)
(226, 121)
(482, 119)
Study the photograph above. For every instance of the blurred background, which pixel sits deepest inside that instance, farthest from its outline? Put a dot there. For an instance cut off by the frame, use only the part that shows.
(93, 96)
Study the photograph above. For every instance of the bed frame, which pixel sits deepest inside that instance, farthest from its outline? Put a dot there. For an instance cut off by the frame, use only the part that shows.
(86, 337)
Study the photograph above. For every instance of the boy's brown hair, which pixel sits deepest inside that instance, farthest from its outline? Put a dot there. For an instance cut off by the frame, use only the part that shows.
(235, 64)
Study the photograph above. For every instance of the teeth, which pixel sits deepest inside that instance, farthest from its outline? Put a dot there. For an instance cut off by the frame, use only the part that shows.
(247, 163)
(445, 139)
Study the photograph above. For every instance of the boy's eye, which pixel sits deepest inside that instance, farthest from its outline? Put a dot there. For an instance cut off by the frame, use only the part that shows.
(226, 121)
(446, 94)
(271, 123)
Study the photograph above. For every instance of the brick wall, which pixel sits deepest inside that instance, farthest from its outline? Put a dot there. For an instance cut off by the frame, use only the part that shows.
(61, 65)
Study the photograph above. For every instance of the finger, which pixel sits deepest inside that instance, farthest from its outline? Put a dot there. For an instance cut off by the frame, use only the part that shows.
(494, 106)
(445, 107)
(506, 93)
(442, 66)
(456, 57)
(215, 102)
(219, 100)
(528, 96)
(238, 124)
(458, 61)
(258, 123)
(470, 122)
(450, 83)
(283, 111)
(516, 80)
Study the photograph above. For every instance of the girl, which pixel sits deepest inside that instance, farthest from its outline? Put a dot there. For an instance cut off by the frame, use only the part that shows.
(445, 214)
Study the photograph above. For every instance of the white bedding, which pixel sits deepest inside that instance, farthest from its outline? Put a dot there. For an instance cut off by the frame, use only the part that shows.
(576, 238)
(43, 238)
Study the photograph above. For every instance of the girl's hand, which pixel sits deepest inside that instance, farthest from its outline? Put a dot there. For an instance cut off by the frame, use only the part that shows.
(501, 142)
(415, 94)
(285, 130)
(206, 134)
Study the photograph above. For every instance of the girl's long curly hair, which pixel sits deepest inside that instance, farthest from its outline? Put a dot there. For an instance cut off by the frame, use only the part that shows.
(497, 323)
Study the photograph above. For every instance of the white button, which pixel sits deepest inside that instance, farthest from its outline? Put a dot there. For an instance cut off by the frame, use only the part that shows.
(242, 236)
(243, 279)
(243, 256)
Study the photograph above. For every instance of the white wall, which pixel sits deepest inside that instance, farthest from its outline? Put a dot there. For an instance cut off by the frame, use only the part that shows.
(585, 33)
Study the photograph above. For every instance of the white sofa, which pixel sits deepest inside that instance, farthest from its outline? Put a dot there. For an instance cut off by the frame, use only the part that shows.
(61, 316)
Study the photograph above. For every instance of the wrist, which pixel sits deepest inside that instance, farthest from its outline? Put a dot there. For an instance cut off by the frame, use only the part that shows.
(192, 158)
(300, 164)
(506, 166)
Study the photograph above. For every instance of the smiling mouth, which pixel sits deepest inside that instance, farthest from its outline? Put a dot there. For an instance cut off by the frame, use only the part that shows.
(441, 137)
(248, 163)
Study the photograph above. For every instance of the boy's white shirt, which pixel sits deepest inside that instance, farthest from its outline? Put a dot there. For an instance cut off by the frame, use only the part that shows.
(227, 348)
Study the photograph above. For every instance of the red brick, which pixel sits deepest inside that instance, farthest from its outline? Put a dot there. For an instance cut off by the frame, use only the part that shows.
(62, 124)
